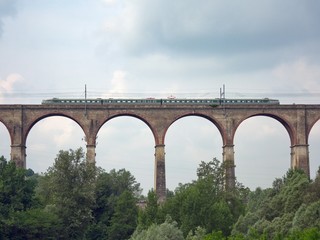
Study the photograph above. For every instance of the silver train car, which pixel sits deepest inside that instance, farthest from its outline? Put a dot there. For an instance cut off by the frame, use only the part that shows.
(153, 101)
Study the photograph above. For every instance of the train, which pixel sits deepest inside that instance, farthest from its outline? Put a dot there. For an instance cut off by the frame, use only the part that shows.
(162, 101)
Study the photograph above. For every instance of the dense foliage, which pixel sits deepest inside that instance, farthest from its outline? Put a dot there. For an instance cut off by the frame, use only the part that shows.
(115, 212)
(72, 200)
(289, 208)
(76, 200)
(203, 204)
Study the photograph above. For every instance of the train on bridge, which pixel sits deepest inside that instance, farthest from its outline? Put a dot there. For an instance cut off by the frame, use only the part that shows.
(154, 101)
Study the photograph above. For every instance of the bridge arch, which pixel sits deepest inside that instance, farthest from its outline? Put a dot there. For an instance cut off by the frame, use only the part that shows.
(144, 120)
(262, 151)
(312, 126)
(56, 132)
(217, 124)
(188, 141)
(127, 139)
(6, 125)
(42, 117)
(289, 128)
(313, 141)
(5, 141)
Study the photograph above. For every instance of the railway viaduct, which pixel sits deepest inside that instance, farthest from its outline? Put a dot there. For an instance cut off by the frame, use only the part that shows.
(296, 119)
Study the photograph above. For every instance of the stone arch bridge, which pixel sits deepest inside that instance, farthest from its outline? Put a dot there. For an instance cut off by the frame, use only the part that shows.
(297, 120)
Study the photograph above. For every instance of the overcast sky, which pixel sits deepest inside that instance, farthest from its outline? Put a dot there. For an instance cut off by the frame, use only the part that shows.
(141, 48)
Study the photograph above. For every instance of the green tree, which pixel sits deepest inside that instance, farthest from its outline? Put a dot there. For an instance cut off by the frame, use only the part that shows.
(34, 223)
(168, 230)
(113, 189)
(205, 203)
(271, 212)
(212, 172)
(305, 234)
(124, 220)
(151, 213)
(16, 191)
(69, 191)
(307, 216)
(19, 216)
(198, 234)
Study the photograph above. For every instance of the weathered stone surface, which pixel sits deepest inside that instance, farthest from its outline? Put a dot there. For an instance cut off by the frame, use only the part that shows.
(297, 120)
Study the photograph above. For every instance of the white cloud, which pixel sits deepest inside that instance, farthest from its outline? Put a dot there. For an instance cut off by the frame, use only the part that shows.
(7, 85)
(118, 81)
(118, 84)
(298, 75)
(60, 130)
